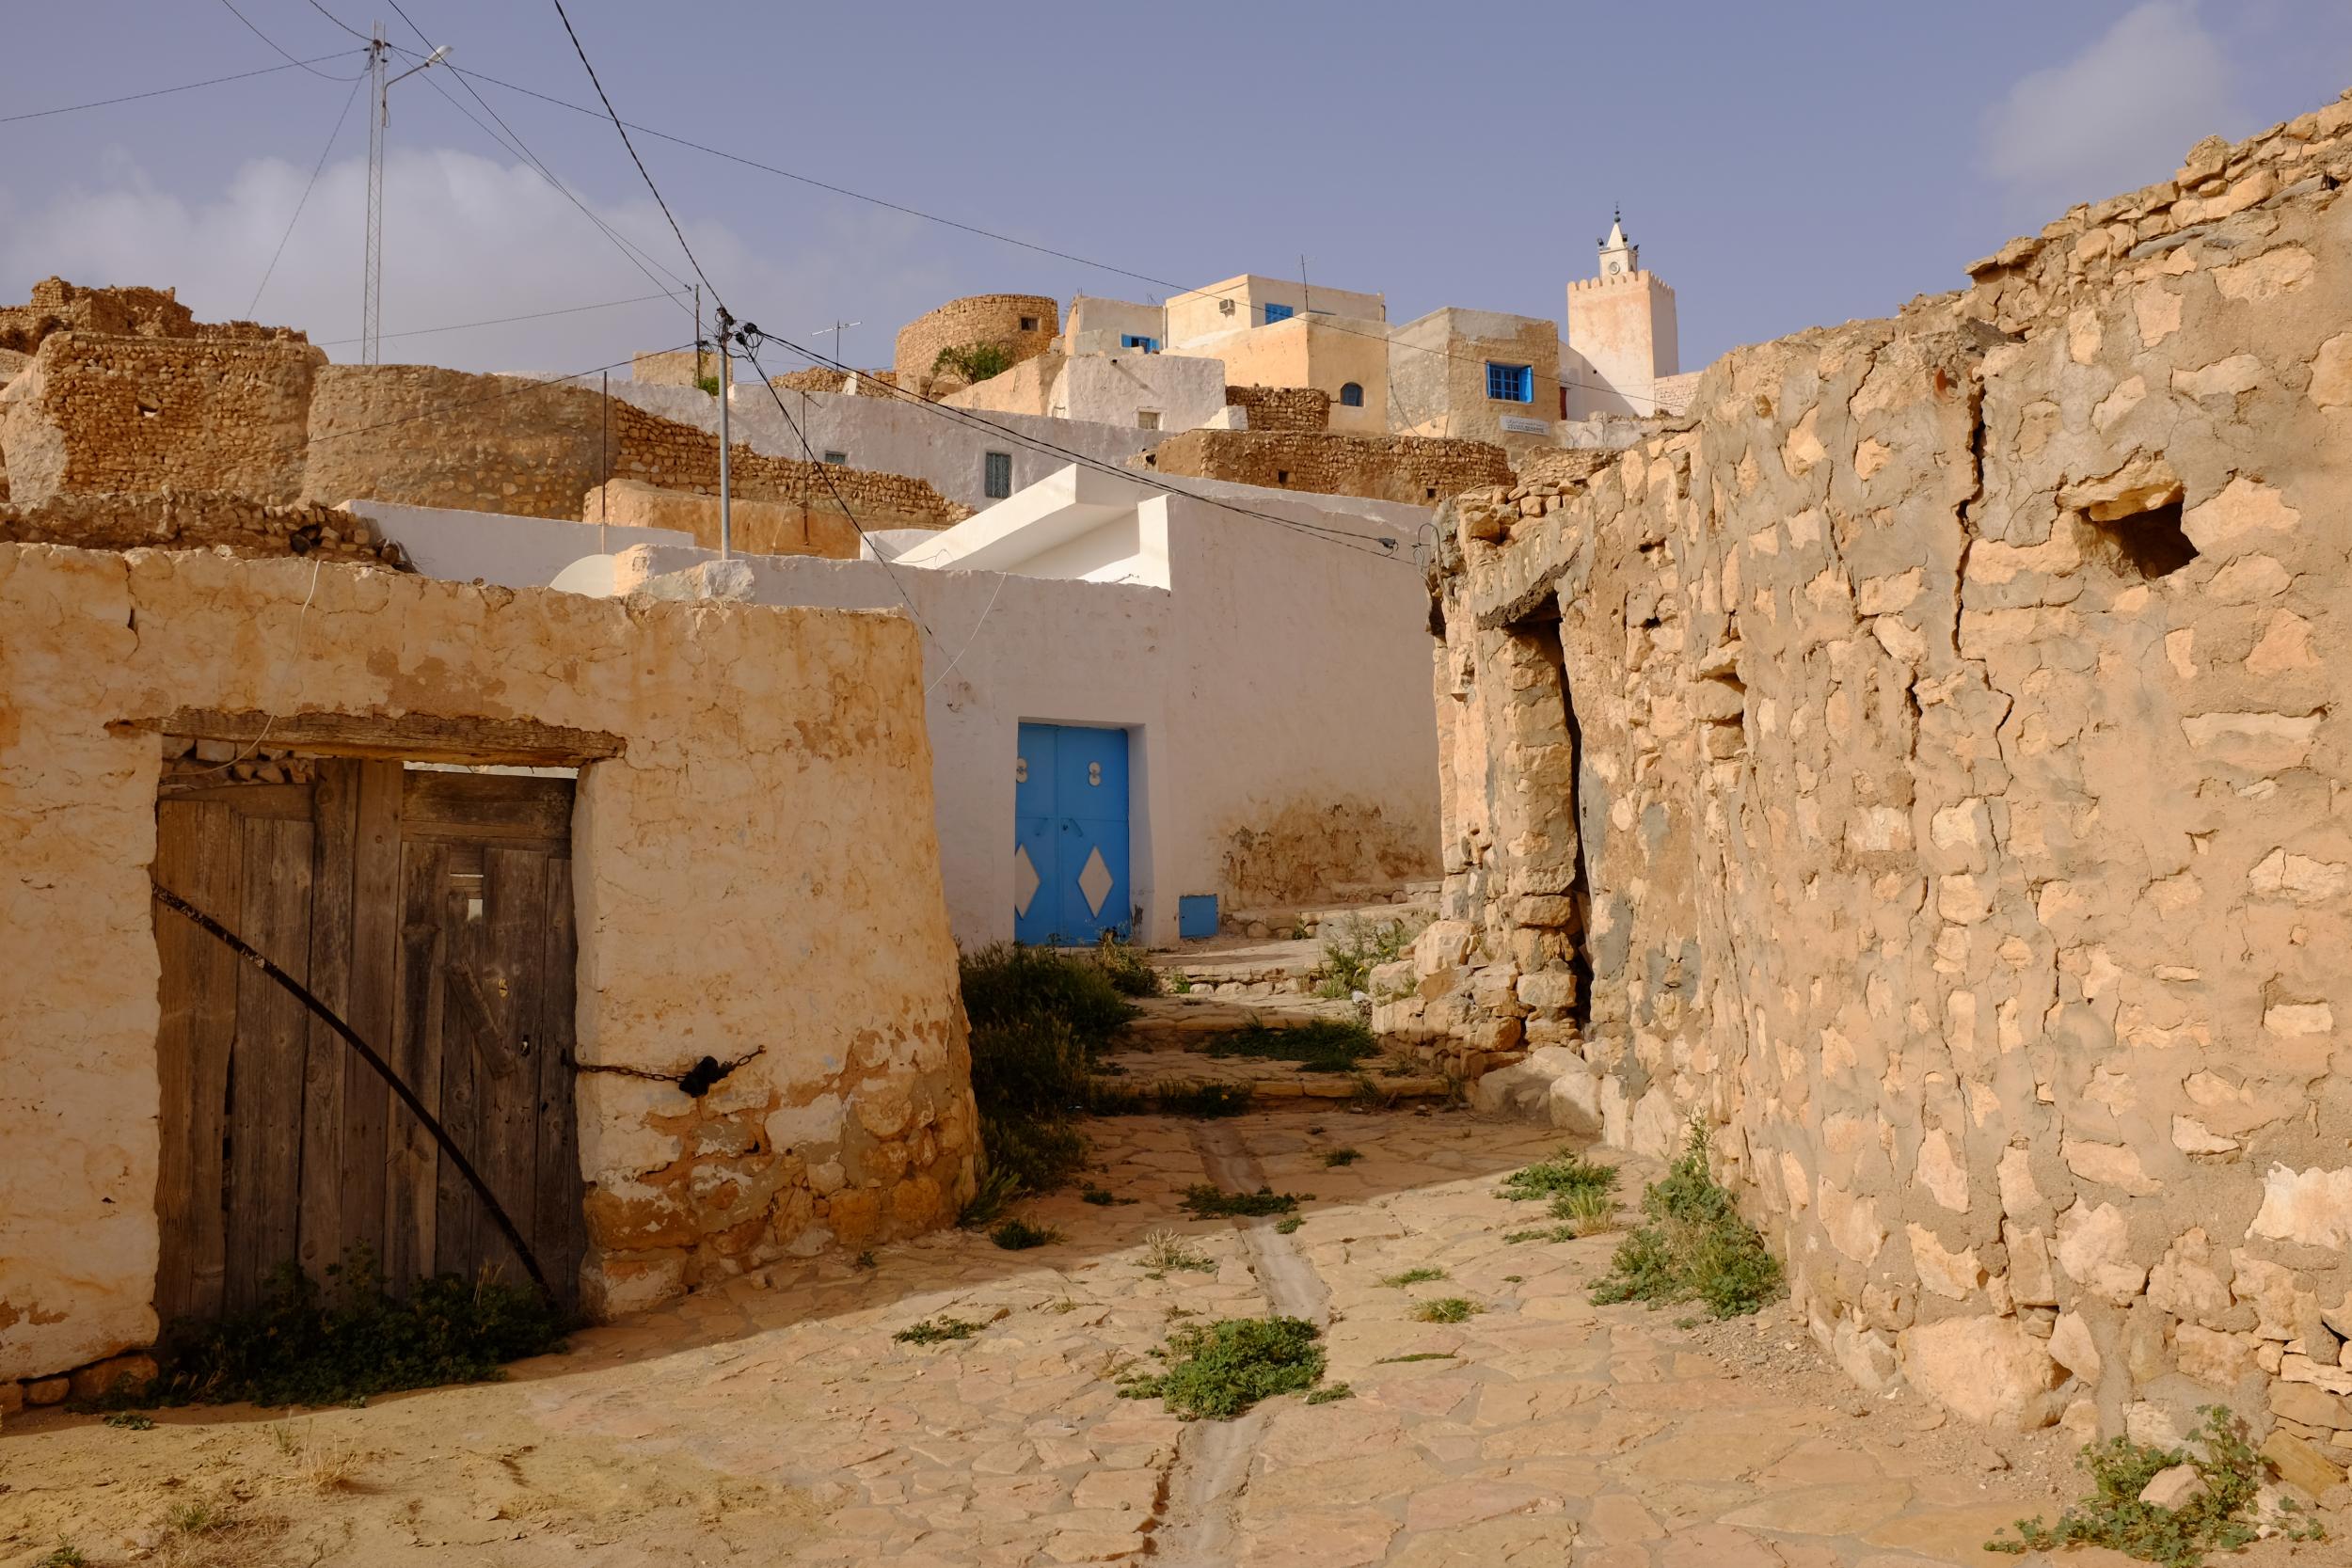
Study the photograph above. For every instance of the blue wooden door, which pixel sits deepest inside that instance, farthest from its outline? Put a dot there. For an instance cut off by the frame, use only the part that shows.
(1070, 831)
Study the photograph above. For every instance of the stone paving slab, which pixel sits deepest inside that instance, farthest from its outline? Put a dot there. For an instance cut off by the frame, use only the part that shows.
(777, 1421)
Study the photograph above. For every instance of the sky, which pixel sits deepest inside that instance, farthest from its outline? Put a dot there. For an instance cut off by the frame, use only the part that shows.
(1780, 165)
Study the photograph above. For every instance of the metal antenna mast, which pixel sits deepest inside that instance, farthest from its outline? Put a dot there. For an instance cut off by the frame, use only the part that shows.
(379, 107)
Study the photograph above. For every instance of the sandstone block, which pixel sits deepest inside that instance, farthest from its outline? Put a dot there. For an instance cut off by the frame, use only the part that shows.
(103, 1378)
(47, 1390)
(2299, 1464)
(2174, 1487)
(1985, 1369)
(2215, 1359)
(2312, 1406)
(2313, 1207)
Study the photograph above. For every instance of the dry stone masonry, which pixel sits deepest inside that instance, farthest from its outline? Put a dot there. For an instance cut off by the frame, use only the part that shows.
(1414, 468)
(1023, 325)
(1927, 766)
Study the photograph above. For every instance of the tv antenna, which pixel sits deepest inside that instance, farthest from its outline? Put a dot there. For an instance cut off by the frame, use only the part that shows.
(379, 104)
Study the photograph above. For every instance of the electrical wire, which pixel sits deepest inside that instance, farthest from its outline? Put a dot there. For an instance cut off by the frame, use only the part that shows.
(502, 321)
(350, 98)
(185, 86)
(340, 22)
(281, 49)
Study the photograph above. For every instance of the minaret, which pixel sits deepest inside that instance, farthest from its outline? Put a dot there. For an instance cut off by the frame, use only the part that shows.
(1621, 332)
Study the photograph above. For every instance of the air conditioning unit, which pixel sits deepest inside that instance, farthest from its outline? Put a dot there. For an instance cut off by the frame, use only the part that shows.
(1224, 307)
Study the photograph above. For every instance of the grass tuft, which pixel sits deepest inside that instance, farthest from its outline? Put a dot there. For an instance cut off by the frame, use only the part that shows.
(935, 1331)
(1289, 1226)
(1340, 1156)
(1413, 1276)
(2221, 1519)
(1418, 1356)
(1446, 1309)
(1356, 948)
(64, 1555)
(1321, 1045)
(1565, 1172)
(1122, 963)
(1693, 1246)
(1209, 1202)
(1588, 1213)
(1018, 1235)
(1330, 1392)
(1165, 1251)
(1038, 1019)
(1218, 1370)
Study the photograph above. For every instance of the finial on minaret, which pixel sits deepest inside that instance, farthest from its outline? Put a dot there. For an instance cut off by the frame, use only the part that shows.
(1618, 254)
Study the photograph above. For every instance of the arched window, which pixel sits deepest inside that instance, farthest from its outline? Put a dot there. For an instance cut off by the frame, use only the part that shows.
(1352, 396)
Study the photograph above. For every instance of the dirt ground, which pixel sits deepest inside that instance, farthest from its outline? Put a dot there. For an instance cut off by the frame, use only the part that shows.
(777, 1421)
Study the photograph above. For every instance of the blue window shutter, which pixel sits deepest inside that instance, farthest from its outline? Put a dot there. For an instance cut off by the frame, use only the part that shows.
(1279, 314)
(1510, 383)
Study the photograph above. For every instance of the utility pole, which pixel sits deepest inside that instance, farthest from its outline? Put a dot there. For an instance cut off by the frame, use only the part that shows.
(726, 385)
(379, 113)
(698, 334)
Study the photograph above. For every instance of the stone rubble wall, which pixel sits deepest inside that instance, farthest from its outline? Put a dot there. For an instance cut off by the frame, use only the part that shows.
(1413, 468)
(756, 526)
(745, 892)
(140, 414)
(1282, 408)
(674, 456)
(186, 520)
(966, 323)
(1926, 766)
(57, 305)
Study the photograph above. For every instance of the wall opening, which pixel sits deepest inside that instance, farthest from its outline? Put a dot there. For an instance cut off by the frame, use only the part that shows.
(1553, 723)
(2145, 545)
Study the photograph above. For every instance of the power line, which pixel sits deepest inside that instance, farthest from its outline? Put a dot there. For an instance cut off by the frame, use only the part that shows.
(502, 321)
(281, 50)
(349, 99)
(185, 86)
(340, 22)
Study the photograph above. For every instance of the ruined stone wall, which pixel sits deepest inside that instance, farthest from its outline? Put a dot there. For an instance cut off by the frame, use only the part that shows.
(745, 885)
(425, 436)
(964, 323)
(57, 305)
(674, 456)
(1282, 408)
(110, 413)
(1926, 766)
(187, 520)
(1383, 467)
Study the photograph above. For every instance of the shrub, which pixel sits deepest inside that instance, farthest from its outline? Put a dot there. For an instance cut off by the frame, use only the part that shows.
(1287, 1226)
(339, 1343)
(1124, 965)
(1006, 983)
(1165, 1251)
(1018, 1235)
(1340, 1156)
(1323, 1045)
(1210, 1202)
(972, 361)
(1359, 947)
(1695, 1245)
(1564, 1173)
(1218, 1370)
(1038, 1017)
(2216, 1519)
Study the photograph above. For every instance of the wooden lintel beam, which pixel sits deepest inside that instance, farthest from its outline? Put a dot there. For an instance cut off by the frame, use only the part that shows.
(412, 738)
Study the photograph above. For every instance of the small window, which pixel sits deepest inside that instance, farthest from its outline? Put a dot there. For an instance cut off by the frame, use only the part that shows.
(1352, 395)
(1279, 314)
(1137, 340)
(1282, 476)
(1028, 323)
(1147, 418)
(838, 457)
(997, 475)
(1510, 383)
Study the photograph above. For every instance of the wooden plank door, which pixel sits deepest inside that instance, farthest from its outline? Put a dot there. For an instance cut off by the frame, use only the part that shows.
(433, 911)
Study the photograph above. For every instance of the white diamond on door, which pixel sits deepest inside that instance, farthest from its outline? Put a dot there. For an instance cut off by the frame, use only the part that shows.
(1024, 880)
(1095, 882)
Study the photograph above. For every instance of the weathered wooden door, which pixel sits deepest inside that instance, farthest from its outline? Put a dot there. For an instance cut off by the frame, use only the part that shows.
(431, 910)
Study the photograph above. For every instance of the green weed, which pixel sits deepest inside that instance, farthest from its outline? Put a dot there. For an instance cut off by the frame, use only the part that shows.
(1289, 1226)
(1210, 1202)
(1549, 1233)
(1588, 1212)
(1218, 1370)
(2217, 1519)
(1038, 1017)
(1098, 1197)
(1321, 1045)
(1446, 1309)
(1201, 1099)
(933, 1331)
(64, 1555)
(1165, 1250)
(975, 362)
(1340, 1156)
(1330, 1392)
(1356, 948)
(130, 1420)
(1695, 1247)
(1122, 963)
(1418, 1356)
(1018, 1235)
(1413, 1276)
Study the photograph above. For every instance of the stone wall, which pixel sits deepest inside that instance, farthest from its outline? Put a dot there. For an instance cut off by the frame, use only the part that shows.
(674, 456)
(1384, 468)
(1282, 408)
(188, 520)
(425, 436)
(755, 526)
(674, 367)
(57, 305)
(994, 319)
(1926, 766)
(128, 413)
(745, 890)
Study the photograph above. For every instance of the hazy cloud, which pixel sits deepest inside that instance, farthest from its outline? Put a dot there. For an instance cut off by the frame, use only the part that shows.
(2116, 116)
(465, 239)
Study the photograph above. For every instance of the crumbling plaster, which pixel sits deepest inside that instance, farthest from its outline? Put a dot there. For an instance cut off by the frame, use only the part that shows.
(1826, 769)
(744, 892)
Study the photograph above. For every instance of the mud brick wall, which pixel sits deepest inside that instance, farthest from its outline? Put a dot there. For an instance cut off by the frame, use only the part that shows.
(1283, 408)
(1926, 766)
(1383, 467)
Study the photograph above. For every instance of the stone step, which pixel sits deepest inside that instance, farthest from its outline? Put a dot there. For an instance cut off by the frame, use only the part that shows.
(1189, 1022)
(1139, 1071)
(1287, 920)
